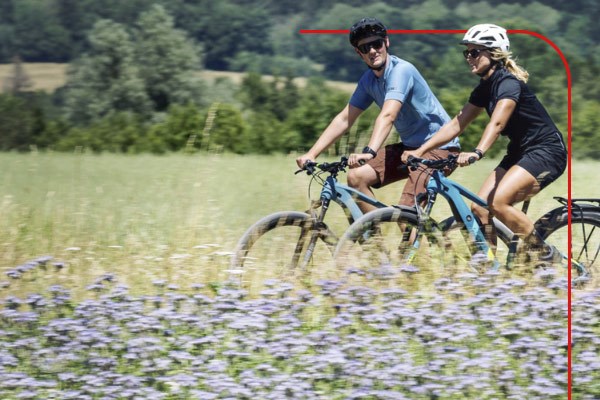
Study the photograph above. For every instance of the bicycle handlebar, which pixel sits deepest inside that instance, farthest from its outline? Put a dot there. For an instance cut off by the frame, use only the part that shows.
(450, 161)
(413, 162)
(333, 167)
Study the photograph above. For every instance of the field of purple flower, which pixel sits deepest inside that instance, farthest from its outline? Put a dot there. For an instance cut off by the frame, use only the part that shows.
(136, 302)
(470, 337)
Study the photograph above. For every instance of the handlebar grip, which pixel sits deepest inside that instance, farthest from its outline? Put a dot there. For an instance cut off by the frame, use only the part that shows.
(472, 160)
(412, 162)
(309, 167)
(362, 162)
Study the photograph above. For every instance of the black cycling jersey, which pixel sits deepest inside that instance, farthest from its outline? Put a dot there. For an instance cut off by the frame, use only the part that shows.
(530, 126)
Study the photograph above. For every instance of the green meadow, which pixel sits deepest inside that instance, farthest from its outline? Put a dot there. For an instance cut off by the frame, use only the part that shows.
(173, 218)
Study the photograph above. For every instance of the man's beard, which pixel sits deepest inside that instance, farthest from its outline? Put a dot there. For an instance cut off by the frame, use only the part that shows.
(381, 67)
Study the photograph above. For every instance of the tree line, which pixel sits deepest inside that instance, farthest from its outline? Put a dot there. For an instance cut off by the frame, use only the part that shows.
(132, 85)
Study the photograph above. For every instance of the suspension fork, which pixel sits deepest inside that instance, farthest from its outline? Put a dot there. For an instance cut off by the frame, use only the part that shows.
(314, 228)
(415, 235)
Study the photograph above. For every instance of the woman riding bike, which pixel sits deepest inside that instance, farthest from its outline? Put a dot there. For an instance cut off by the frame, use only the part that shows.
(536, 153)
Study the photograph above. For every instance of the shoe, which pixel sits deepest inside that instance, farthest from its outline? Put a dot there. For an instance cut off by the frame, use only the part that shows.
(550, 256)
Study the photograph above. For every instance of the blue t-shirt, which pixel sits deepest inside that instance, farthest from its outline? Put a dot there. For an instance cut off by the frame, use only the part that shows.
(421, 115)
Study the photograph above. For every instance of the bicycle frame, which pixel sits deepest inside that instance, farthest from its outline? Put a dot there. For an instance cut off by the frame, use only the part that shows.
(346, 197)
(455, 193)
(343, 195)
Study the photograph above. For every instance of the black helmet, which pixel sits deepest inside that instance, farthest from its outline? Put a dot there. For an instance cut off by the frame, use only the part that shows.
(366, 27)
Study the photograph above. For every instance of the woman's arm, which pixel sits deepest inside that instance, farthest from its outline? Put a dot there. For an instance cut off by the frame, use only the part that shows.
(447, 132)
(498, 121)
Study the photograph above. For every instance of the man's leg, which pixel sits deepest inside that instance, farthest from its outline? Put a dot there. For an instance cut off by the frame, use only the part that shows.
(417, 180)
(362, 179)
(382, 170)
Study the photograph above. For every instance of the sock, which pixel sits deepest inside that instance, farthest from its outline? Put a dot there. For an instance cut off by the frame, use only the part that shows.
(535, 241)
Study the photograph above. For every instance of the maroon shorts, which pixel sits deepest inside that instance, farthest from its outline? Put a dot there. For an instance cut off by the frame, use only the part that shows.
(389, 168)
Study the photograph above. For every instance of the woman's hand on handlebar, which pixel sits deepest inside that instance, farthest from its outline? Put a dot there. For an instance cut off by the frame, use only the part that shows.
(467, 158)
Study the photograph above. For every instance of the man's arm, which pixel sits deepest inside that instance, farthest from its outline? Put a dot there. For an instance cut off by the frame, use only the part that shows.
(340, 124)
(381, 130)
(384, 123)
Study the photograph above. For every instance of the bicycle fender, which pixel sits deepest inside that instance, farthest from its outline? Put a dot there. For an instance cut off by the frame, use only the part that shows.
(561, 214)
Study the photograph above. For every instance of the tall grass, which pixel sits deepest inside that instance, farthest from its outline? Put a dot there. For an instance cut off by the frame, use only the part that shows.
(174, 217)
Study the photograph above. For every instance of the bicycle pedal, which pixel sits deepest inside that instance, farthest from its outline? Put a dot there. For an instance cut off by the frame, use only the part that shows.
(581, 281)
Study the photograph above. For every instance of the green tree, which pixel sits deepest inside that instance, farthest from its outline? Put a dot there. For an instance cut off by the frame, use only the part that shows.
(181, 128)
(283, 97)
(585, 137)
(316, 108)
(116, 132)
(226, 29)
(167, 60)
(38, 34)
(75, 19)
(107, 79)
(228, 130)
(254, 93)
(264, 134)
(21, 122)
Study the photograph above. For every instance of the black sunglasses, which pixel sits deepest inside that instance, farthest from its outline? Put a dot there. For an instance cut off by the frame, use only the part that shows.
(474, 53)
(374, 44)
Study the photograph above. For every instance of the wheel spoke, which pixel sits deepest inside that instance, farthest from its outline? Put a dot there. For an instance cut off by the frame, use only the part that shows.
(276, 244)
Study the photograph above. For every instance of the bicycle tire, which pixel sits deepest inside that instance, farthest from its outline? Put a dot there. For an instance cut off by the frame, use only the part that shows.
(507, 241)
(585, 237)
(382, 238)
(277, 242)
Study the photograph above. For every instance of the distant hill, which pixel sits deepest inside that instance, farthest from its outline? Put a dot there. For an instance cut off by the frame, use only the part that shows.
(50, 76)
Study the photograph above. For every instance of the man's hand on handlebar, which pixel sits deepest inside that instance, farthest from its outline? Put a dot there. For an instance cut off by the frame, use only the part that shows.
(303, 159)
(409, 153)
(358, 159)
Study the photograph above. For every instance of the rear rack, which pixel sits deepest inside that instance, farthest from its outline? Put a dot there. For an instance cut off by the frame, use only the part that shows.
(565, 201)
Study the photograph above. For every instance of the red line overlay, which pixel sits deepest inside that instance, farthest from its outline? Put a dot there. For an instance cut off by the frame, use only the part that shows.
(569, 130)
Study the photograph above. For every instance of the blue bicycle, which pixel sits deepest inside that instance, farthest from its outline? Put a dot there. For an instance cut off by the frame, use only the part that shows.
(290, 239)
(410, 236)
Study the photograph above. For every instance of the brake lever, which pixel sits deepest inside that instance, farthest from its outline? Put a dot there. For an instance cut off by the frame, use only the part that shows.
(411, 163)
(309, 167)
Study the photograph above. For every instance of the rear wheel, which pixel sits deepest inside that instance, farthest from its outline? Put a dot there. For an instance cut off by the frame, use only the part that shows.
(585, 240)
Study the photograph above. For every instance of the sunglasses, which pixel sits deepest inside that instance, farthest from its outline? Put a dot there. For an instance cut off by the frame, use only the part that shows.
(366, 47)
(474, 53)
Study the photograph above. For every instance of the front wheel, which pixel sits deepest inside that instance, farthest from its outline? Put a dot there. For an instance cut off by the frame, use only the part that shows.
(385, 241)
(585, 239)
(280, 241)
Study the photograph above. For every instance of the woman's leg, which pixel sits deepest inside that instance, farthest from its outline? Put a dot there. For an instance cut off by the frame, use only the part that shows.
(516, 185)
(486, 192)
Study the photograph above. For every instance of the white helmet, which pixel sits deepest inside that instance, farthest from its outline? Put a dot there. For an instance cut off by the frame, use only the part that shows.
(488, 35)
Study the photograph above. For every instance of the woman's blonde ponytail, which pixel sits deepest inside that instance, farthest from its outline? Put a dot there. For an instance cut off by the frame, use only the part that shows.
(511, 65)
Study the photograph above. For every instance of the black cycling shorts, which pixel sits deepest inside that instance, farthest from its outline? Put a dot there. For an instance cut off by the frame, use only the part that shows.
(545, 164)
